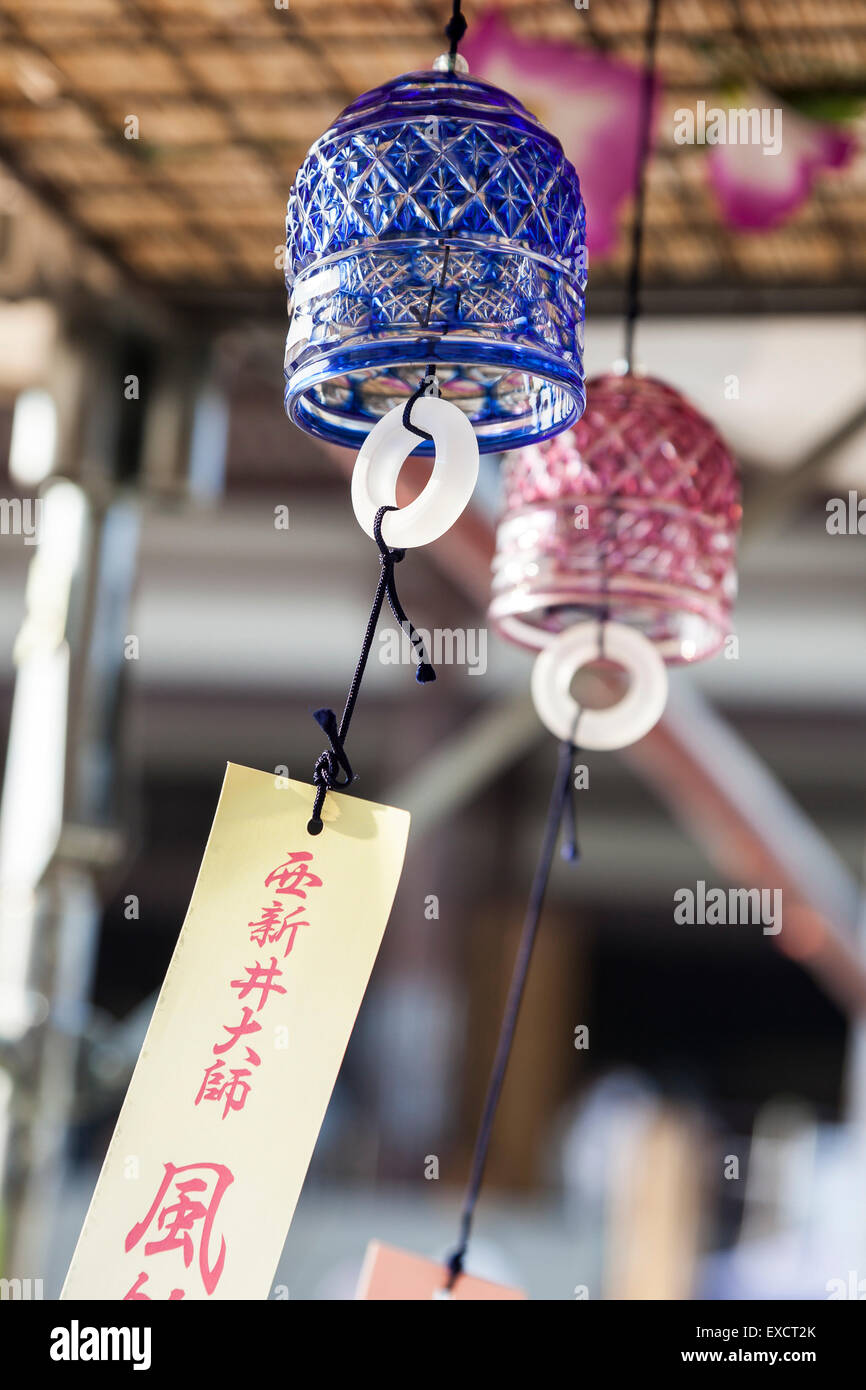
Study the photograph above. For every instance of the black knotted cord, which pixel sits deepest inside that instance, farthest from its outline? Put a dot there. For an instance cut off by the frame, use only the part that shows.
(561, 809)
(455, 29)
(333, 761)
(633, 292)
(428, 383)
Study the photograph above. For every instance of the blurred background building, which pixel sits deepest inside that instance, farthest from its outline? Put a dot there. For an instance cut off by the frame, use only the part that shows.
(710, 1140)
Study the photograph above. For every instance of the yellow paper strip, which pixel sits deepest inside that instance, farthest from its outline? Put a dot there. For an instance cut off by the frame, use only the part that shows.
(215, 1136)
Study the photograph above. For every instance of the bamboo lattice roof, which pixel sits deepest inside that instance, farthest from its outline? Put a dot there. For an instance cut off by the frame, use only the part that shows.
(229, 94)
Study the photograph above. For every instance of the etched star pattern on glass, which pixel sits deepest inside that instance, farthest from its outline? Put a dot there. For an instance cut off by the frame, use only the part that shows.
(436, 222)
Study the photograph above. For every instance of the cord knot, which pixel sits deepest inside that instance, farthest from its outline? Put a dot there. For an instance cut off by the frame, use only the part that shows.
(329, 764)
(333, 761)
(429, 386)
(454, 1265)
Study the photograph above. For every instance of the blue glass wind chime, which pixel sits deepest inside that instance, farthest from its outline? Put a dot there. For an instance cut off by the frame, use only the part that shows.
(436, 269)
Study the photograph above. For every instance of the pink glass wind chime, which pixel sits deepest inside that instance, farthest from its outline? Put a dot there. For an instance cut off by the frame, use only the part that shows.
(618, 537)
(628, 523)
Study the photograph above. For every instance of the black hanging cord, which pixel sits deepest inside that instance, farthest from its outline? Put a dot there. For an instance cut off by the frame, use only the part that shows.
(428, 383)
(455, 28)
(333, 761)
(561, 806)
(644, 148)
(429, 380)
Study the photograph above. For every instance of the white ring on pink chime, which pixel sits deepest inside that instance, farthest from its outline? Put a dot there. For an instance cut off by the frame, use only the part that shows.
(619, 725)
(448, 489)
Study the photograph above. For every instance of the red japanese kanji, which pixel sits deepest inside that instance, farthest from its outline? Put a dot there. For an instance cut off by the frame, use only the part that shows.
(239, 1030)
(233, 1090)
(274, 922)
(193, 1205)
(262, 978)
(293, 874)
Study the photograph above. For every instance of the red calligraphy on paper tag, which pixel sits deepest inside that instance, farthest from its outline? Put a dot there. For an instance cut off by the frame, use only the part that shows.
(244, 1047)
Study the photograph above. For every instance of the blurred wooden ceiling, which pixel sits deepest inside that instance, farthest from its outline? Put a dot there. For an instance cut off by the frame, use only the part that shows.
(229, 94)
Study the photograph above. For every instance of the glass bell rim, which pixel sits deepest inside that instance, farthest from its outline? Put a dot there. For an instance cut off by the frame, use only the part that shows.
(519, 619)
(350, 432)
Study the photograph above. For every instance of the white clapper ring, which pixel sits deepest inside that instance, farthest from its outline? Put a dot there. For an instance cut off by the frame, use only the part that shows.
(448, 489)
(621, 724)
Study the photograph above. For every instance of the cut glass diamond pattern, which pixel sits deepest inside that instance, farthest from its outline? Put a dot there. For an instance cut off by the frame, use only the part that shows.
(633, 514)
(428, 162)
